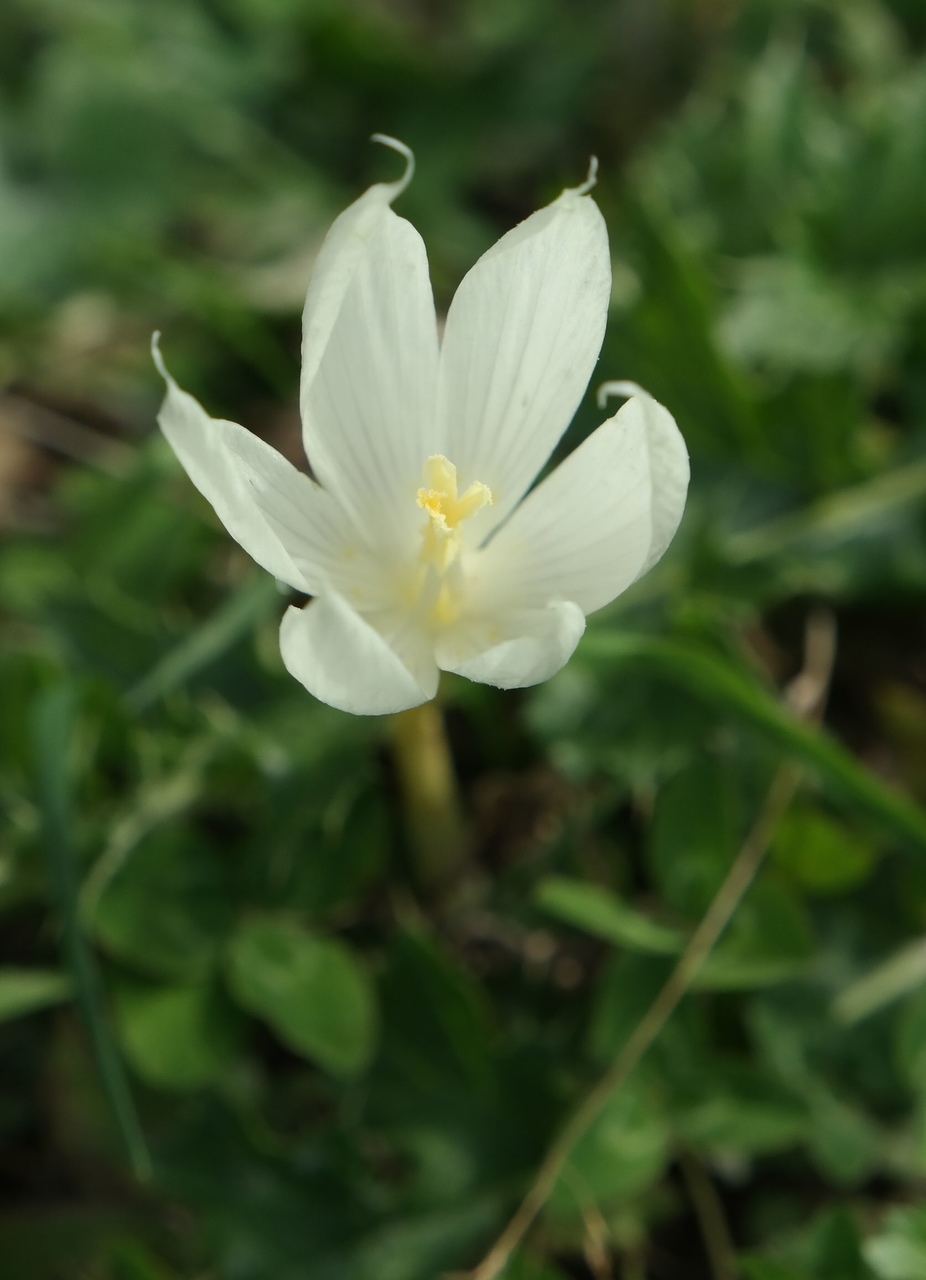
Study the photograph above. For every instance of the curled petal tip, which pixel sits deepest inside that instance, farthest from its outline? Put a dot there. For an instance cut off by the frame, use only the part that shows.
(156, 354)
(591, 178)
(405, 151)
(620, 388)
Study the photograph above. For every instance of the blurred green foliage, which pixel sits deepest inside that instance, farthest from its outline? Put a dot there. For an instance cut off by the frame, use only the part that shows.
(337, 1076)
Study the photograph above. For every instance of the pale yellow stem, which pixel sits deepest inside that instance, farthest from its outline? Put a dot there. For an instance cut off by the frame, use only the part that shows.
(430, 796)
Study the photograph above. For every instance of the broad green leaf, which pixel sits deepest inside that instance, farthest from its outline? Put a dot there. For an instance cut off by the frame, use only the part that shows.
(311, 990)
(625, 1150)
(600, 912)
(843, 1138)
(834, 1249)
(436, 1027)
(25, 990)
(769, 940)
(525, 1266)
(767, 943)
(132, 1260)
(177, 1037)
(843, 1141)
(824, 856)
(628, 985)
(898, 1250)
(722, 972)
(51, 1242)
(166, 910)
(423, 1244)
(695, 832)
(350, 841)
(729, 1125)
(767, 1269)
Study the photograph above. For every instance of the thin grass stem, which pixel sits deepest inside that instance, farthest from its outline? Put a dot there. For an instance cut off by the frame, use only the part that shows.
(53, 736)
(807, 696)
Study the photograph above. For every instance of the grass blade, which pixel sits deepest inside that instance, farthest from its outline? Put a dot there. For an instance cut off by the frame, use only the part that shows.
(206, 644)
(715, 679)
(53, 733)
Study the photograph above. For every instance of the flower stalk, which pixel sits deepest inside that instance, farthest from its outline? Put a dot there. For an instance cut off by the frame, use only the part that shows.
(430, 795)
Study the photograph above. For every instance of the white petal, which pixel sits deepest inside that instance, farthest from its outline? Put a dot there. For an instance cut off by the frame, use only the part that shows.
(598, 522)
(522, 337)
(369, 364)
(278, 515)
(670, 472)
(514, 650)
(408, 635)
(344, 661)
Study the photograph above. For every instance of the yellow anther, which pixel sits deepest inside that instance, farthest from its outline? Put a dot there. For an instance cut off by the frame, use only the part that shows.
(446, 510)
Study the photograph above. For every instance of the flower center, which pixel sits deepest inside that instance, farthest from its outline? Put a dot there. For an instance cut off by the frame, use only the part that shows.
(446, 510)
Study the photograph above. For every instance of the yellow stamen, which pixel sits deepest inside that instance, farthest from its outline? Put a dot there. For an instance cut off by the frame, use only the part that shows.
(446, 510)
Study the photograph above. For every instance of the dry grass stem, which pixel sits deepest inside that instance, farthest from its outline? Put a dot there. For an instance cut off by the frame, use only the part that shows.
(807, 695)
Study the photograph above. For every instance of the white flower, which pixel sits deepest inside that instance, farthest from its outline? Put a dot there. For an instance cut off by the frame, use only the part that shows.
(415, 538)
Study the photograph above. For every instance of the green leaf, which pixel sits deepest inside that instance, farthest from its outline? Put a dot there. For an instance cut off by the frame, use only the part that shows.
(625, 1151)
(177, 1037)
(843, 1141)
(910, 1049)
(823, 855)
(897, 976)
(788, 315)
(849, 513)
(767, 1269)
(181, 938)
(437, 1032)
(628, 986)
(694, 834)
(525, 1266)
(768, 941)
(424, 1244)
(898, 1250)
(204, 646)
(600, 912)
(132, 1260)
(716, 680)
(26, 990)
(671, 341)
(54, 726)
(834, 1249)
(742, 1112)
(49, 1243)
(310, 990)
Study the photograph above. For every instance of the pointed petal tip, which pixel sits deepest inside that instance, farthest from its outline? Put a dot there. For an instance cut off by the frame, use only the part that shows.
(408, 155)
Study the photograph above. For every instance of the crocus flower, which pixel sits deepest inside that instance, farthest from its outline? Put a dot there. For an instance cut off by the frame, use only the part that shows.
(413, 536)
